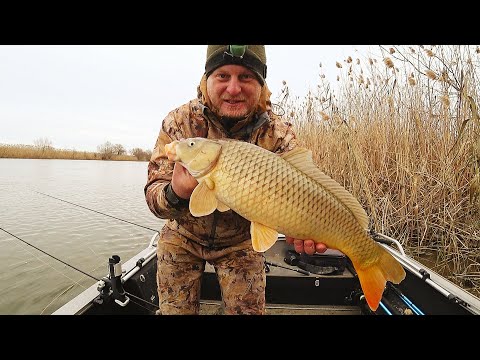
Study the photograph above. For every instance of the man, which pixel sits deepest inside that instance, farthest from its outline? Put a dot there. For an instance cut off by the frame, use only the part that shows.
(233, 102)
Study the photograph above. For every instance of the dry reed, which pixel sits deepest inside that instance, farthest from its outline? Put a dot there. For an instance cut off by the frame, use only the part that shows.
(406, 143)
(34, 152)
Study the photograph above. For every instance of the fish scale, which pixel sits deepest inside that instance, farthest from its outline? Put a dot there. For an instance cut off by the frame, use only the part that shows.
(286, 188)
(262, 185)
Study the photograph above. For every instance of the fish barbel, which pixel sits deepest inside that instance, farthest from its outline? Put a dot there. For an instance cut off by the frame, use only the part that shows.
(285, 194)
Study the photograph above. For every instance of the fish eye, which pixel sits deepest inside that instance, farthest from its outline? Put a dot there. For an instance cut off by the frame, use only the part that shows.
(191, 143)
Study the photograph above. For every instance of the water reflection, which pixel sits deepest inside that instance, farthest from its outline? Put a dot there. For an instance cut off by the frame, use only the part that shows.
(31, 282)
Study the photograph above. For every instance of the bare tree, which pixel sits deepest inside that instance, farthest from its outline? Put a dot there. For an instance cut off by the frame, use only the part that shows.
(106, 150)
(140, 154)
(43, 143)
(118, 149)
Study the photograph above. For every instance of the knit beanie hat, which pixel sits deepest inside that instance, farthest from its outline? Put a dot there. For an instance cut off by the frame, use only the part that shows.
(251, 56)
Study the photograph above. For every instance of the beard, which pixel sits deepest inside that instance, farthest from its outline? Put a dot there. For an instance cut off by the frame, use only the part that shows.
(238, 114)
(229, 122)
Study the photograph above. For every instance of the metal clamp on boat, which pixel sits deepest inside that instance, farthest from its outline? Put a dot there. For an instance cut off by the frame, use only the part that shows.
(112, 285)
(115, 269)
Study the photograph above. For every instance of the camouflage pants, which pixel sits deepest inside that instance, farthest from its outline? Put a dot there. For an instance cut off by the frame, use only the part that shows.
(240, 271)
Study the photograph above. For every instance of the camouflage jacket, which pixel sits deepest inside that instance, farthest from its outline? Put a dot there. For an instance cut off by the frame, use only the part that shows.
(193, 119)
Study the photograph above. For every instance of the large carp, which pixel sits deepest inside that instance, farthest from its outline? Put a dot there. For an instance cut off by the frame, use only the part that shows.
(285, 194)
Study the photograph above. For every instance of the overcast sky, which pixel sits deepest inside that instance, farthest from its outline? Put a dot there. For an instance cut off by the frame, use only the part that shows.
(81, 96)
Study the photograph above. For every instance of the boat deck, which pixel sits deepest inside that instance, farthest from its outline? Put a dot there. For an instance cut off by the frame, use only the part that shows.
(311, 293)
(215, 308)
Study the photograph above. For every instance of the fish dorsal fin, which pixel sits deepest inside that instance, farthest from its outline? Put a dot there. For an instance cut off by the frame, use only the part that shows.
(263, 237)
(203, 201)
(301, 159)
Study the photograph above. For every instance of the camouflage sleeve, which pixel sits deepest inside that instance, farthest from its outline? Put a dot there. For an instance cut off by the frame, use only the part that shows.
(160, 171)
(285, 136)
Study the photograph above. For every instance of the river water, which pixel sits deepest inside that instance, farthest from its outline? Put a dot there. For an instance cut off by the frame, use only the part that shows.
(32, 282)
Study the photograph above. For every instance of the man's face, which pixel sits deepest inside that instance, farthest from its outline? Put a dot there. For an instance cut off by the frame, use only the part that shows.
(234, 91)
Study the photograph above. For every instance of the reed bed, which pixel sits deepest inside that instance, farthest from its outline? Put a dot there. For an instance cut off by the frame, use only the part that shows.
(401, 131)
(35, 152)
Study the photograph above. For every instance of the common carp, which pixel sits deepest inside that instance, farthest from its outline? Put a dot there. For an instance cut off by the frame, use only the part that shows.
(285, 194)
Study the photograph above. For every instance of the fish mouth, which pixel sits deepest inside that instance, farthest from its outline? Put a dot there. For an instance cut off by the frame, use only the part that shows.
(171, 151)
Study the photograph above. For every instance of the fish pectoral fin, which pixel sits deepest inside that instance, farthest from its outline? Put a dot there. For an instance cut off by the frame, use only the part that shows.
(209, 182)
(222, 207)
(263, 237)
(202, 201)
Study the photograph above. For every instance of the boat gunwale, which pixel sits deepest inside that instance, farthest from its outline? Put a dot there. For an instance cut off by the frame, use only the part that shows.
(82, 302)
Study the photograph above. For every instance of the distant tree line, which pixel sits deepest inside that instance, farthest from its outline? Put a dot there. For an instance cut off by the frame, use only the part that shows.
(108, 150)
(43, 148)
(140, 154)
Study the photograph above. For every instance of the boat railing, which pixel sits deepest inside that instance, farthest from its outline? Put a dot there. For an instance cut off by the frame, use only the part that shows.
(149, 255)
(438, 282)
(394, 241)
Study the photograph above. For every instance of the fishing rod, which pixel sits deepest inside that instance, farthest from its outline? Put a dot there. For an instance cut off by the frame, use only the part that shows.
(114, 280)
(46, 253)
(119, 292)
(406, 300)
(98, 212)
(267, 263)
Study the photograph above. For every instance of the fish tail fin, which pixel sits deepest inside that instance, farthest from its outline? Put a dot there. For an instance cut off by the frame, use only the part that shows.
(374, 277)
